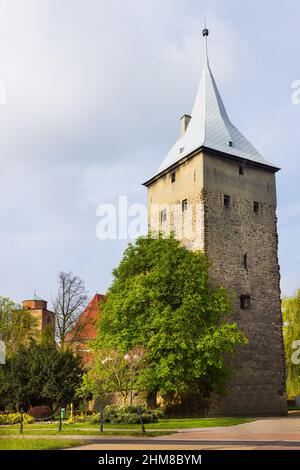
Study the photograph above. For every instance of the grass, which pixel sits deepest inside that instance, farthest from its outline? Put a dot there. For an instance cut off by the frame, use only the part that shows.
(93, 429)
(38, 444)
(82, 432)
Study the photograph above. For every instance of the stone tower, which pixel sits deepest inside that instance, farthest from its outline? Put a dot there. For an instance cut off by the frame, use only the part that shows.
(38, 308)
(218, 194)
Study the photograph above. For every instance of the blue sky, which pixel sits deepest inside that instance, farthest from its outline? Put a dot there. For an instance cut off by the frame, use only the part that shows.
(95, 90)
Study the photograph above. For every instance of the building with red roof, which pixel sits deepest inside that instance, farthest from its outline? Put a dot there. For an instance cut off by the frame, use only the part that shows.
(85, 329)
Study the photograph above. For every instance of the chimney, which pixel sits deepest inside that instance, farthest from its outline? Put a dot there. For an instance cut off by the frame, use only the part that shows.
(184, 122)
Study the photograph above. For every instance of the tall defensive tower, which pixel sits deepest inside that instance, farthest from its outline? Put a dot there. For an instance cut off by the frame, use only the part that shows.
(226, 194)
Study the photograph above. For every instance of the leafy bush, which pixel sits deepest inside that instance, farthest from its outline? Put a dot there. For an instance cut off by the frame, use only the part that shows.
(40, 412)
(126, 415)
(77, 418)
(15, 418)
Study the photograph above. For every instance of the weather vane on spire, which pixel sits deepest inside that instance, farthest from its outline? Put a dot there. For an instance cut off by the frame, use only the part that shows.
(205, 34)
(205, 31)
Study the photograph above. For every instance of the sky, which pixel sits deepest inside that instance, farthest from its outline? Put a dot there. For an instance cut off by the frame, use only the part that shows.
(91, 94)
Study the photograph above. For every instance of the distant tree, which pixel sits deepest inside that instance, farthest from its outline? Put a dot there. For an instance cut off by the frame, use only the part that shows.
(17, 326)
(40, 374)
(161, 299)
(68, 305)
(291, 330)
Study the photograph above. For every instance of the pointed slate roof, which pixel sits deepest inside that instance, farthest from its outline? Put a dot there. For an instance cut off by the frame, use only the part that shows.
(210, 127)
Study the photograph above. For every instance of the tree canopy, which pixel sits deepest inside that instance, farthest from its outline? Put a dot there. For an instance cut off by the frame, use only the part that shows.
(39, 374)
(161, 299)
(17, 326)
(291, 319)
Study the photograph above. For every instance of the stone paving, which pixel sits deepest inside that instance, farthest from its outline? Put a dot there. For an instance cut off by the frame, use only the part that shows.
(263, 434)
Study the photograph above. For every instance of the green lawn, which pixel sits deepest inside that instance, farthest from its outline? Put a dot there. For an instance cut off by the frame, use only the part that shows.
(82, 432)
(37, 444)
(163, 424)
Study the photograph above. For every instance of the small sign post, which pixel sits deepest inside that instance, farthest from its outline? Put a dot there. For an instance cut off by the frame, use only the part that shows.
(101, 419)
(21, 420)
(61, 417)
(2, 353)
(141, 420)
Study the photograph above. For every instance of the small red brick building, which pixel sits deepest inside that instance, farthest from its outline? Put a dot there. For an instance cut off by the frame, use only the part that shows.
(39, 310)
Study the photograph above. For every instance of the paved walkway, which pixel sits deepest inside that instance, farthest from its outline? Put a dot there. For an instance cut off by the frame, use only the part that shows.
(269, 433)
(263, 429)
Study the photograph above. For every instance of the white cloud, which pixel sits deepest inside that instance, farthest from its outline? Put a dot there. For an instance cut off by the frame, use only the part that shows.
(95, 90)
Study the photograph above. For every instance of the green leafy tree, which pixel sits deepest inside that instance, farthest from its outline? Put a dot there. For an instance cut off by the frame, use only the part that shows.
(17, 326)
(114, 372)
(291, 329)
(161, 299)
(40, 374)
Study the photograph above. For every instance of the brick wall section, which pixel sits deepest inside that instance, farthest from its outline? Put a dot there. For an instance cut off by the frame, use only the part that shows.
(45, 318)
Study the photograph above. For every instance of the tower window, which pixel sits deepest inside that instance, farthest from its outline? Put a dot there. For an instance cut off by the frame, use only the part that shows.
(246, 262)
(230, 143)
(245, 302)
(163, 215)
(241, 171)
(256, 207)
(173, 177)
(184, 205)
(227, 200)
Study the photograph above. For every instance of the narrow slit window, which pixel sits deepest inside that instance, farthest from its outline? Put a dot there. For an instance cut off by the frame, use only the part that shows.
(184, 205)
(227, 200)
(241, 170)
(256, 207)
(245, 302)
(163, 216)
(173, 177)
(246, 262)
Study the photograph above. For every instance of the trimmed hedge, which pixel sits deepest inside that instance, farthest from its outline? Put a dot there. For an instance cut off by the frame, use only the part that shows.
(40, 412)
(15, 418)
(126, 415)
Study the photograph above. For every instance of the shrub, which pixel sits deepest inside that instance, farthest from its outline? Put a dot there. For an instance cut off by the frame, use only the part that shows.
(40, 412)
(77, 418)
(15, 418)
(126, 415)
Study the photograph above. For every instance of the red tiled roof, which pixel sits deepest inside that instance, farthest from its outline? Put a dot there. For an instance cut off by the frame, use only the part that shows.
(88, 321)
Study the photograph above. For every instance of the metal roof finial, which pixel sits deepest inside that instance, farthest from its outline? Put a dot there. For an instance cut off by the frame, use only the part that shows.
(205, 34)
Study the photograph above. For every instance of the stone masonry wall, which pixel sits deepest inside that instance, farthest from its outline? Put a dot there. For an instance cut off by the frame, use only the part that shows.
(258, 387)
(226, 235)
